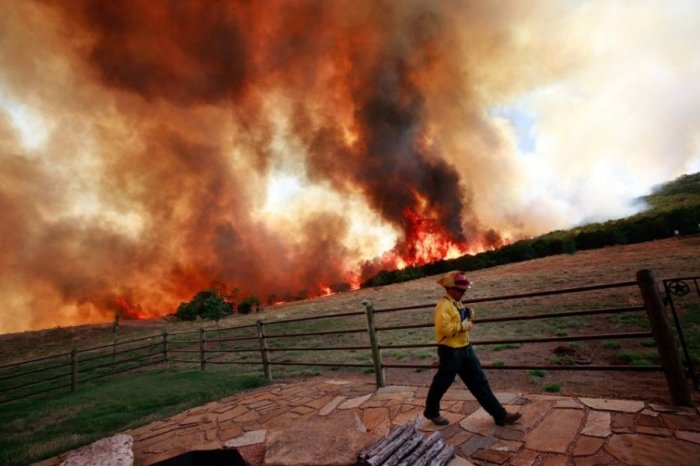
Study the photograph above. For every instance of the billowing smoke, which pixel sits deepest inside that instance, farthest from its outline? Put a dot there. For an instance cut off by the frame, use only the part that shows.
(151, 149)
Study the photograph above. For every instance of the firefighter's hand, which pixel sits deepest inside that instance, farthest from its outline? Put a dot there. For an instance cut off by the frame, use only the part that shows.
(470, 312)
(467, 325)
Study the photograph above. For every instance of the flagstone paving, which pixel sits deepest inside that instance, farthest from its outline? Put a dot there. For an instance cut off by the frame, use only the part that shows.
(323, 422)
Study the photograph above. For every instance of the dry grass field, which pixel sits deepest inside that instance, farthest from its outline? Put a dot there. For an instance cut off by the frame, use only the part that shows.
(667, 258)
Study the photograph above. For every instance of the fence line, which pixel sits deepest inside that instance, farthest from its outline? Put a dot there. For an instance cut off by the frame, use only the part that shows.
(161, 349)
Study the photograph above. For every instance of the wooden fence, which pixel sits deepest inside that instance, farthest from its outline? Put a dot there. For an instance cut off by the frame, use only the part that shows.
(262, 343)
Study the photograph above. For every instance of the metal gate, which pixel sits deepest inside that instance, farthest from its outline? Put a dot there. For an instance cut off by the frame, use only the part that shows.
(682, 297)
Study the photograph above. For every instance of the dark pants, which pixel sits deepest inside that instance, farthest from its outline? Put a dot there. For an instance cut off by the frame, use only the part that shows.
(462, 361)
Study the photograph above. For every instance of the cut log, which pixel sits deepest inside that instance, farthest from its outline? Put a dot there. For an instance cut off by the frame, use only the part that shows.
(381, 443)
(443, 456)
(391, 447)
(422, 448)
(404, 450)
(432, 452)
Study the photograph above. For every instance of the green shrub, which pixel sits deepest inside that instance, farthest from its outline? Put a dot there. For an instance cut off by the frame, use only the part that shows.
(638, 319)
(632, 358)
(186, 311)
(553, 387)
(215, 308)
(613, 345)
(537, 372)
(551, 246)
(507, 346)
(598, 239)
(248, 304)
(564, 360)
(206, 304)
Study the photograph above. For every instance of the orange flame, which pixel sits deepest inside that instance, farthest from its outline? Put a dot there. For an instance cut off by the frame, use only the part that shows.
(427, 241)
(131, 312)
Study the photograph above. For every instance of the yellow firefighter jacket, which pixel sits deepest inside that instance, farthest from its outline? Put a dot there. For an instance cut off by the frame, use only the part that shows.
(448, 322)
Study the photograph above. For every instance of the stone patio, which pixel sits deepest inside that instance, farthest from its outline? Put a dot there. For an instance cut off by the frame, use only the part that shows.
(328, 422)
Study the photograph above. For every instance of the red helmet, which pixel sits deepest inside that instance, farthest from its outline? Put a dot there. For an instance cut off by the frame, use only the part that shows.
(455, 279)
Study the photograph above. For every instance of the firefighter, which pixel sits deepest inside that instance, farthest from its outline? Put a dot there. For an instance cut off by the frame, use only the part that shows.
(453, 322)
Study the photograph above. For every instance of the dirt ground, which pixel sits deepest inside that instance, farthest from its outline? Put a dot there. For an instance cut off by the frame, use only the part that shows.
(650, 387)
(608, 384)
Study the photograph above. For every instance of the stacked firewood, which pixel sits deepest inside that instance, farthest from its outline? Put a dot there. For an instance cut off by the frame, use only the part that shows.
(406, 446)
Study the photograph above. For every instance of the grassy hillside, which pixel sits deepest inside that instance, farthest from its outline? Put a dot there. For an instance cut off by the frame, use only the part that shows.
(668, 258)
(684, 191)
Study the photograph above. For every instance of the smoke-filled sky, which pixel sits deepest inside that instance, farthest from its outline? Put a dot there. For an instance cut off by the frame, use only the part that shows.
(150, 148)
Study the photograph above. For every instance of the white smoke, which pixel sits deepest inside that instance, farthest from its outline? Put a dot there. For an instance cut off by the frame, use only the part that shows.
(604, 104)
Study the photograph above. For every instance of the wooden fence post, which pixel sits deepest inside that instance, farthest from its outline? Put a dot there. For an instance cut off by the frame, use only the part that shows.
(374, 342)
(165, 349)
(665, 342)
(202, 350)
(263, 350)
(73, 370)
(116, 337)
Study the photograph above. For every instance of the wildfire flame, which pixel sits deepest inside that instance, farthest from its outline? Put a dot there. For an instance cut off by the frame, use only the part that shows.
(425, 240)
(126, 310)
(428, 241)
